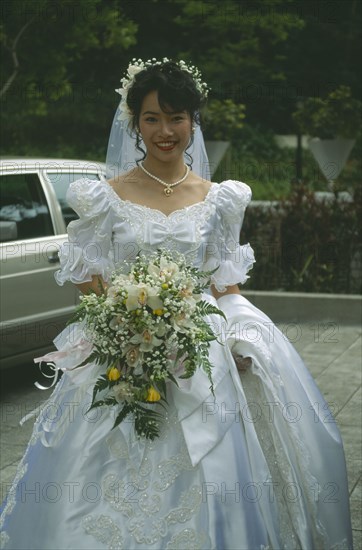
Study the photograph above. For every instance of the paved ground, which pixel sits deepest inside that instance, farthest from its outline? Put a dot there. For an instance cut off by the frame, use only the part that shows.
(332, 352)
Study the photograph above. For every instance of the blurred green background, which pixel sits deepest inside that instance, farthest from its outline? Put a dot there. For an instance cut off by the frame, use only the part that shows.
(62, 60)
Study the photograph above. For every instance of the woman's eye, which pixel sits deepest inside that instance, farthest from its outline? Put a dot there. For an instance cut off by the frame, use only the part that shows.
(150, 119)
(178, 118)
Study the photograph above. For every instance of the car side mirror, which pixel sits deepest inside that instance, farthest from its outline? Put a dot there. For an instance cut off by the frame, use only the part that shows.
(8, 231)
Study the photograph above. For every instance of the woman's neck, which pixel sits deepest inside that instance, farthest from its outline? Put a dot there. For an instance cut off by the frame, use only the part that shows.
(167, 171)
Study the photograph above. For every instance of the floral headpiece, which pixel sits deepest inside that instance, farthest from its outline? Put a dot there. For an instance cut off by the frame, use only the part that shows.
(137, 65)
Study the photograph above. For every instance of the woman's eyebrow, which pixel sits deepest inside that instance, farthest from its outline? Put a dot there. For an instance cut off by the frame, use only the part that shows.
(167, 112)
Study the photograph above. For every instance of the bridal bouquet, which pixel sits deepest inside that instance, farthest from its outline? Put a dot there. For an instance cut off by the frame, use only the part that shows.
(145, 328)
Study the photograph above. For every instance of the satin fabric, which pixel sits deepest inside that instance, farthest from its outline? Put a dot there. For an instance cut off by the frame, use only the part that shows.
(259, 465)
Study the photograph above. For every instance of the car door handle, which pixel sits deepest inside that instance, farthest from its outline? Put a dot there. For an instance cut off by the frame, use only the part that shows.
(53, 258)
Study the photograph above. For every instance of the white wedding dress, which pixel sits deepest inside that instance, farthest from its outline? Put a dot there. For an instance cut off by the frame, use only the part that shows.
(260, 467)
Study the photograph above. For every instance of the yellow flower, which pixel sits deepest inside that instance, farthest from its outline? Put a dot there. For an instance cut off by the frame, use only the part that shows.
(153, 395)
(164, 286)
(158, 311)
(113, 374)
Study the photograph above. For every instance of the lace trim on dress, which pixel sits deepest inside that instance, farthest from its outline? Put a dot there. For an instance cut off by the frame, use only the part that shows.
(20, 473)
(138, 495)
(11, 498)
(4, 539)
(138, 215)
(104, 529)
(170, 469)
(285, 470)
(156, 214)
(84, 200)
(38, 434)
(277, 466)
(343, 545)
(188, 539)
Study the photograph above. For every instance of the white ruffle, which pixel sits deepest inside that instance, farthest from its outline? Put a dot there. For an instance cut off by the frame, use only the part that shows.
(87, 251)
(233, 271)
(76, 269)
(234, 260)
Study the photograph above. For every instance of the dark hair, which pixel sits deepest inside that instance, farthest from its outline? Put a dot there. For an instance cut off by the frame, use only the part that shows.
(176, 91)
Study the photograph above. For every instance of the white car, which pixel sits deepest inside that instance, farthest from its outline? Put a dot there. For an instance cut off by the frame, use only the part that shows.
(33, 220)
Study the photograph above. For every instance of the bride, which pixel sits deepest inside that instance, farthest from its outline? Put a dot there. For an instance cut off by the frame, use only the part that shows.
(259, 466)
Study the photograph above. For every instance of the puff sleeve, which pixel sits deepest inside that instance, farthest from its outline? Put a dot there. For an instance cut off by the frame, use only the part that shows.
(233, 259)
(88, 250)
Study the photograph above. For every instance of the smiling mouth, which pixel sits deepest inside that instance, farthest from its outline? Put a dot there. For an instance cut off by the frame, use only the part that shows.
(166, 145)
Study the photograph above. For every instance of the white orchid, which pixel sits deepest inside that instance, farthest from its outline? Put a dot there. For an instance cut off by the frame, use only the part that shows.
(182, 322)
(186, 292)
(134, 359)
(113, 291)
(146, 340)
(123, 391)
(161, 329)
(143, 294)
(116, 322)
(167, 271)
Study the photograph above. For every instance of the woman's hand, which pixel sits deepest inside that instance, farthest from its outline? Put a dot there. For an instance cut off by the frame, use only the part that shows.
(234, 289)
(242, 363)
(97, 284)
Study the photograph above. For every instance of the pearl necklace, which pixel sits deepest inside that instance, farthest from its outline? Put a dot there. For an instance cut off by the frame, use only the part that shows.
(168, 186)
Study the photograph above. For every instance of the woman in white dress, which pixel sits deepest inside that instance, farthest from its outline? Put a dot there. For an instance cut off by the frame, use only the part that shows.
(259, 467)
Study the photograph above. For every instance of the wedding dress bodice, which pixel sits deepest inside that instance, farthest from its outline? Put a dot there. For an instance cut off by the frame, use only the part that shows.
(111, 232)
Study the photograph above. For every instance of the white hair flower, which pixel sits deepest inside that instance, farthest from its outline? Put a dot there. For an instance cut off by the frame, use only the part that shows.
(137, 65)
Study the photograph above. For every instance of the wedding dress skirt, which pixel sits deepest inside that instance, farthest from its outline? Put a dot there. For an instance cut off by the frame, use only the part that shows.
(259, 467)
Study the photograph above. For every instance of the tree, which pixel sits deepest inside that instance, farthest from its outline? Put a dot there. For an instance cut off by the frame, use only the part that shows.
(57, 57)
(265, 54)
(62, 58)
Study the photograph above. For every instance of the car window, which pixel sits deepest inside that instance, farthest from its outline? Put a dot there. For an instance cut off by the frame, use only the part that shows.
(24, 212)
(60, 182)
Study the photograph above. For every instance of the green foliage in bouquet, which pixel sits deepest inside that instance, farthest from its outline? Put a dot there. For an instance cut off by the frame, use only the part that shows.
(147, 328)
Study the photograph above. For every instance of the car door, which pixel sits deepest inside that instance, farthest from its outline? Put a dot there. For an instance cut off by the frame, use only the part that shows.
(33, 307)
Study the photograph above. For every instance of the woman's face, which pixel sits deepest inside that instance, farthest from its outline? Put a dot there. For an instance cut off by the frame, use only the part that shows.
(165, 135)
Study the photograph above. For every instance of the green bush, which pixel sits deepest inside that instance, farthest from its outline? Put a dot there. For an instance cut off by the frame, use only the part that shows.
(305, 244)
(223, 120)
(338, 115)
